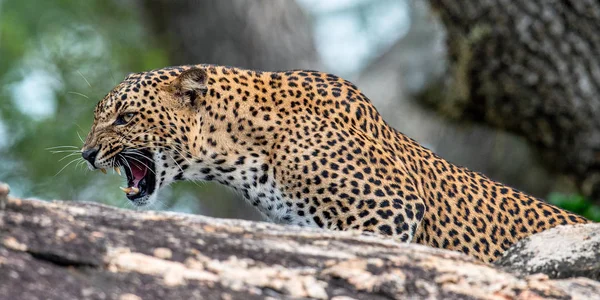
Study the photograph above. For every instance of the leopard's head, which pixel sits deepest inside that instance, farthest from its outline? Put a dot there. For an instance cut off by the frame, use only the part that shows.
(148, 126)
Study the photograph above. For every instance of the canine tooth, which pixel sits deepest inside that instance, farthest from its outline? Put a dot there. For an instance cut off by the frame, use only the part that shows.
(103, 170)
(134, 190)
(126, 190)
(118, 170)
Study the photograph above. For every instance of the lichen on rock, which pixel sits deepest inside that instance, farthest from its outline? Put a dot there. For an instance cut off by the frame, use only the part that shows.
(78, 250)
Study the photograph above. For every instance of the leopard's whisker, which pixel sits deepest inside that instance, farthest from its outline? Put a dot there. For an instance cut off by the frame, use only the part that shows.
(78, 94)
(81, 163)
(65, 151)
(79, 136)
(126, 163)
(72, 161)
(141, 162)
(67, 156)
(62, 147)
(86, 81)
(137, 152)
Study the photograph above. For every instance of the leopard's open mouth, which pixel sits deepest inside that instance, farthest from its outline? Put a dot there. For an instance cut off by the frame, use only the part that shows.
(140, 172)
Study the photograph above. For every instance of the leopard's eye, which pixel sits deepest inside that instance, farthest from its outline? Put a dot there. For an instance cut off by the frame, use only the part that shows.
(123, 119)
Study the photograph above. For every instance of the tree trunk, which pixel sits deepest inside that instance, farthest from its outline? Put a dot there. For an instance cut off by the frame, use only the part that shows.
(532, 67)
(266, 35)
(393, 79)
(74, 250)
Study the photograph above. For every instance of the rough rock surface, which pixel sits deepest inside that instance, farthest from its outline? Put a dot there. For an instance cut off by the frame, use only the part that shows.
(561, 252)
(75, 250)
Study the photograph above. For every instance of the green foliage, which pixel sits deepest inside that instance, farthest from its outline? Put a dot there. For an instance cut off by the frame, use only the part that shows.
(577, 204)
(58, 58)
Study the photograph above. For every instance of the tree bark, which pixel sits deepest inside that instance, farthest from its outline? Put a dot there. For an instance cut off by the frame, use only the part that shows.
(267, 35)
(75, 250)
(393, 79)
(532, 67)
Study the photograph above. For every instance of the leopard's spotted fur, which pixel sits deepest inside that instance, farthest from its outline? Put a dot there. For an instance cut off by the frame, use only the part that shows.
(308, 148)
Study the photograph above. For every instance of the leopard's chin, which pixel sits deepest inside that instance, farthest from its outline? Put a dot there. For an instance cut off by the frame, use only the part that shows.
(145, 201)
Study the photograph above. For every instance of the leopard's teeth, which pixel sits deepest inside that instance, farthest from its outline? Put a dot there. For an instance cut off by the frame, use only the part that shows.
(118, 170)
(130, 190)
(103, 170)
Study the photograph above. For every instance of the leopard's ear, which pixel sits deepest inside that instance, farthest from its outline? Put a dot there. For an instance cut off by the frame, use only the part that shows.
(189, 86)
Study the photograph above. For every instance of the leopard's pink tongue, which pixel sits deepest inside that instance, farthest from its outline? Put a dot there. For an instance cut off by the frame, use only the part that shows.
(138, 171)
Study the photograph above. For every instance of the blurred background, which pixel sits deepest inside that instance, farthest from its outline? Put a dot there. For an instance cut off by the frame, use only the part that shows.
(422, 63)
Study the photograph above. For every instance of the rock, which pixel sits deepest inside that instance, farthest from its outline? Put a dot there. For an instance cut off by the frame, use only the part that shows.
(76, 250)
(560, 252)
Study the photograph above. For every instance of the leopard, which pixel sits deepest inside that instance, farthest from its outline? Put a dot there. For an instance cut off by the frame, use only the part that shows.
(305, 148)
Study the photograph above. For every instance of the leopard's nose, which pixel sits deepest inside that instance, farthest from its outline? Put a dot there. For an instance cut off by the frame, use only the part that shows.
(90, 155)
